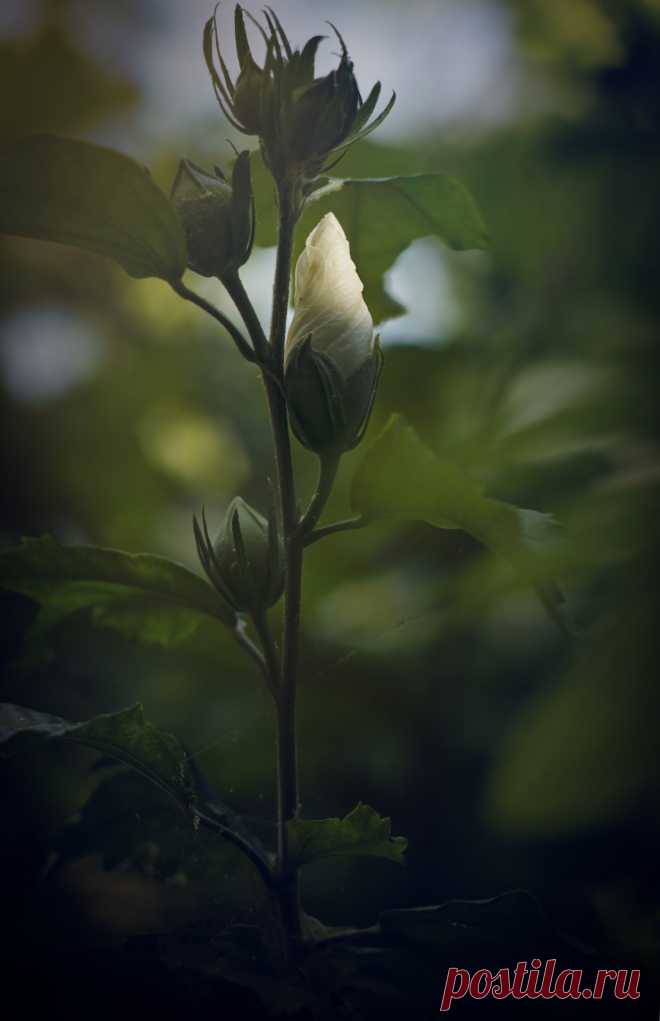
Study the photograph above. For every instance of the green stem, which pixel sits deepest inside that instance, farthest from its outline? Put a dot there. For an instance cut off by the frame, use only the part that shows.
(232, 837)
(346, 525)
(270, 655)
(285, 704)
(246, 643)
(285, 694)
(281, 677)
(328, 465)
(234, 287)
(233, 331)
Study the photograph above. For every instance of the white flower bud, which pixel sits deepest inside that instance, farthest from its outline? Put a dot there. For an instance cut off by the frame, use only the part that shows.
(328, 300)
(332, 358)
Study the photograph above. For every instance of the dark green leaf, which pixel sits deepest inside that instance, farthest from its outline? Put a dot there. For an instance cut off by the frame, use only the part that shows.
(382, 217)
(400, 476)
(60, 189)
(362, 832)
(148, 597)
(125, 736)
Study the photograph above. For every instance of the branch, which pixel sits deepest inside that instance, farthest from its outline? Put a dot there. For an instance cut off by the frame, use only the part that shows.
(270, 656)
(234, 287)
(244, 845)
(233, 331)
(328, 465)
(246, 643)
(347, 525)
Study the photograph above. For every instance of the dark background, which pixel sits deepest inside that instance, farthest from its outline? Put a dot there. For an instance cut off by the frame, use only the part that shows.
(433, 686)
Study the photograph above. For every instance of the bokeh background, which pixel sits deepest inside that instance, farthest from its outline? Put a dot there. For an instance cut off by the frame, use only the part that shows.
(433, 687)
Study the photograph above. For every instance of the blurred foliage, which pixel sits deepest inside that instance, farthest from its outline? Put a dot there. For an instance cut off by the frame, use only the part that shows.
(434, 687)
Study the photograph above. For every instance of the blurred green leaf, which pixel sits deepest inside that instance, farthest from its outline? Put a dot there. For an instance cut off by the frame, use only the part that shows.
(125, 736)
(381, 217)
(401, 477)
(585, 752)
(68, 89)
(362, 832)
(148, 597)
(61, 189)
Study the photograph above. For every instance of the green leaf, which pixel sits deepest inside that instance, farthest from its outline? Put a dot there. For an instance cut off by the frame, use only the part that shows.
(401, 477)
(125, 736)
(381, 217)
(60, 189)
(362, 832)
(148, 597)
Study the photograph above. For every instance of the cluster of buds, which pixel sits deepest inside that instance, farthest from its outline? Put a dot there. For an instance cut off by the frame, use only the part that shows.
(305, 124)
(245, 563)
(217, 217)
(332, 358)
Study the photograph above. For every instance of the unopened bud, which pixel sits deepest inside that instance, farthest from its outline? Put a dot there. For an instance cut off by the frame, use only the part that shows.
(218, 218)
(323, 113)
(332, 358)
(245, 562)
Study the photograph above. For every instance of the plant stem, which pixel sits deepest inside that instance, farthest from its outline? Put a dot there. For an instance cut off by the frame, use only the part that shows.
(328, 465)
(346, 525)
(234, 287)
(285, 696)
(239, 841)
(270, 655)
(285, 704)
(233, 331)
(246, 643)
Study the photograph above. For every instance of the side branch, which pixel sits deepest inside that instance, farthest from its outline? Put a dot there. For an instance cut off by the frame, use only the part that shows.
(347, 525)
(233, 331)
(328, 465)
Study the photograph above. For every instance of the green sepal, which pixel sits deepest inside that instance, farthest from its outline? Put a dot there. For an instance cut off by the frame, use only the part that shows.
(246, 561)
(242, 208)
(218, 219)
(329, 414)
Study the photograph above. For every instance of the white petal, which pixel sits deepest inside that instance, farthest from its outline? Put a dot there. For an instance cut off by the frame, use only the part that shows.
(329, 303)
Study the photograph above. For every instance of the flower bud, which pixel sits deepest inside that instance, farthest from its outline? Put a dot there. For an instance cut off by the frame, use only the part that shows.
(246, 562)
(332, 358)
(218, 218)
(304, 123)
(322, 114)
